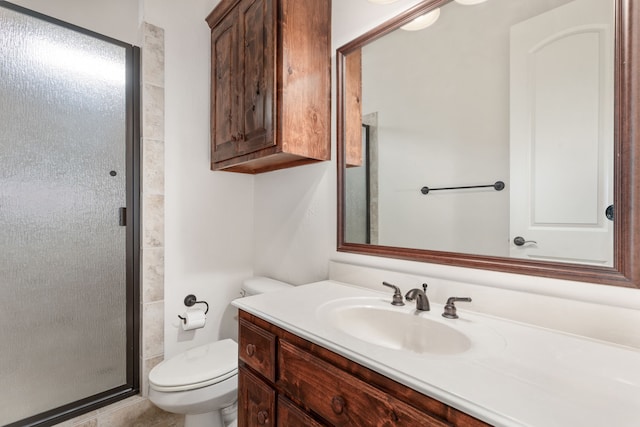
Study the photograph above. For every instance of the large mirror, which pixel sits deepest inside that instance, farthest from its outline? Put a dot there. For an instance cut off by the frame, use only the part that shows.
(499, 134)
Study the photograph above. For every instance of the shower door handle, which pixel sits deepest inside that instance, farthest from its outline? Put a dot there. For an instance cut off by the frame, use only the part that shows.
(122, 217)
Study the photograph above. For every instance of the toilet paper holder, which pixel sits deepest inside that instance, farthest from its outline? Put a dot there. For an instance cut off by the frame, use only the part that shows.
(191, 300)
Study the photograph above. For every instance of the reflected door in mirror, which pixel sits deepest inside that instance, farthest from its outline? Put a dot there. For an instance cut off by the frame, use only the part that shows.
(561, 94)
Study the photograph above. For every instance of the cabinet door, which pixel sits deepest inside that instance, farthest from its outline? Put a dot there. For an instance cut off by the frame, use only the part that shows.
(257, 57)
(257, 401)
(225, 68)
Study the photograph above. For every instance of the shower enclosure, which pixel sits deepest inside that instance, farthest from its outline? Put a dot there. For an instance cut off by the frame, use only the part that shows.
(68, 219)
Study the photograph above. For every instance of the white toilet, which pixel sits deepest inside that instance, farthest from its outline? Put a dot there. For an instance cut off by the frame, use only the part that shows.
(202, 382)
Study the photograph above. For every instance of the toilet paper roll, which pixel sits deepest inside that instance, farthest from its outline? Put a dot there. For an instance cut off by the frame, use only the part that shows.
(193, 319)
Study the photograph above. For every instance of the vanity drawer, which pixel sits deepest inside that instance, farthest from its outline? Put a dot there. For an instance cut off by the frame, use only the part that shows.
(257, 348)
(340, 398)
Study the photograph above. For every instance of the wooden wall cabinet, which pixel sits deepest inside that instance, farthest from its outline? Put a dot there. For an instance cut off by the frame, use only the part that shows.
(287, 381)
(270, 84)
(353, 108)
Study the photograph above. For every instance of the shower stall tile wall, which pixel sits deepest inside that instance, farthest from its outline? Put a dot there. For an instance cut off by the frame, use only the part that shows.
(152, 188)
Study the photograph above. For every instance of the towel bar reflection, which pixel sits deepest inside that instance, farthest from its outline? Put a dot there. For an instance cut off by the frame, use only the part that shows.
(498, 186)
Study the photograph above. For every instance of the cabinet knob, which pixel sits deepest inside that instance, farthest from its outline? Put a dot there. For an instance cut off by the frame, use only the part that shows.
(263, 417)
(337, 404)
(251, 349)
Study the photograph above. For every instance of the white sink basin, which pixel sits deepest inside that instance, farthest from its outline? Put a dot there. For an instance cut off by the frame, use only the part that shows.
(403, 328)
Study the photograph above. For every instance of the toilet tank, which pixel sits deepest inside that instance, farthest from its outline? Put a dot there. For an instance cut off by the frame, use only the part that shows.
(261, 285)
(251, 286)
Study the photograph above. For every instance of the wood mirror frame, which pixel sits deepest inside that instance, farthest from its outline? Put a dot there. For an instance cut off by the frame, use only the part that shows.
(626, 266)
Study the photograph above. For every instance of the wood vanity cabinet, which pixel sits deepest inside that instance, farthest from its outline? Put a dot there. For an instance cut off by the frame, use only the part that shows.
(287, 381)
(270, 84)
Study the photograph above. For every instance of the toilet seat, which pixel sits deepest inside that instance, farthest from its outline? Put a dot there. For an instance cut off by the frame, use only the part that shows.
(196, 368)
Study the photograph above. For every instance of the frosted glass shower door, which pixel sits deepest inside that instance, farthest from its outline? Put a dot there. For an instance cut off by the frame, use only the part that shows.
(63, 179)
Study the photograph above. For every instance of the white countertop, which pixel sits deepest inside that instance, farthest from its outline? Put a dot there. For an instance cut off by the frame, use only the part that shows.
(520, 375)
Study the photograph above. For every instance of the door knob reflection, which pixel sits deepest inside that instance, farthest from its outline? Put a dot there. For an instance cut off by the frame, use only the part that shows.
(519, 241)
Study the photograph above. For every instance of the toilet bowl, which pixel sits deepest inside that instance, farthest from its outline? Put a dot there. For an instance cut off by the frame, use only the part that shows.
(202, 382)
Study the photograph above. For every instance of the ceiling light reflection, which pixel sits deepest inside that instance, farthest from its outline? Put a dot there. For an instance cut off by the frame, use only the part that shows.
(422, 21)
(469, 2)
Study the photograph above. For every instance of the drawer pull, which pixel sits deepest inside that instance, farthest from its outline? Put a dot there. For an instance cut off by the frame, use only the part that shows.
(263, 417)
(251, 349)
(337, 404)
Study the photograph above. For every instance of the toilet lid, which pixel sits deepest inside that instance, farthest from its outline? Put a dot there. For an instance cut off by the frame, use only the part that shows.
(197, 367)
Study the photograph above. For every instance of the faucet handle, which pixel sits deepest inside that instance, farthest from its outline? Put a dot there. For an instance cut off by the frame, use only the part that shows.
(397, 294)
(450, 307)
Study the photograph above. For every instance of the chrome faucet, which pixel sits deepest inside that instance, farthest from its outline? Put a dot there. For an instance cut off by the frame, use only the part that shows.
(422, 301)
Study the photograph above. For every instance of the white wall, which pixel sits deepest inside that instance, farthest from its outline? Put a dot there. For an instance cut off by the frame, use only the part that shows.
(209, 215)
(294, 223)
(295, 209)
